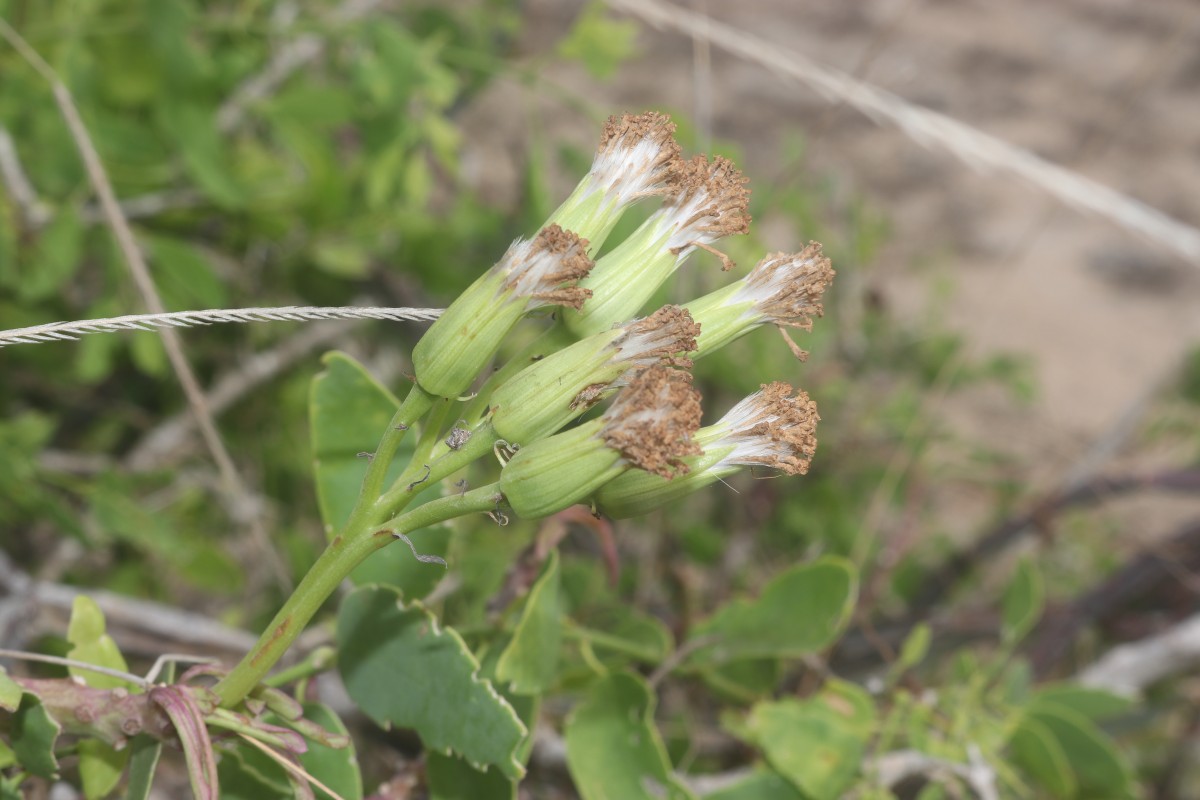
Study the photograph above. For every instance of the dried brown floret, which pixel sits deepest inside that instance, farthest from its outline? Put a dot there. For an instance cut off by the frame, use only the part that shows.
(652, 421)
(548, 269)
(787, 287)
(660, 336)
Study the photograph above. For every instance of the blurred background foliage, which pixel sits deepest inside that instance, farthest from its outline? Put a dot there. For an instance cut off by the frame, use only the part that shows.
(345, 183)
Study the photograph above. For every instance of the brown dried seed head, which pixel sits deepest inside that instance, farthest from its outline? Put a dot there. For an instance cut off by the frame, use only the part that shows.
(772, 428)
(652, 420)
(659, 338)
(711, 202)
(638, 156)
(549, 267)
(787, 287)
(628, 129)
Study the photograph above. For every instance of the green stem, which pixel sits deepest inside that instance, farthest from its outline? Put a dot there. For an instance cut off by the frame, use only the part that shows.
(610, 642)
(404, 490)
(342, 555)
(412, 409)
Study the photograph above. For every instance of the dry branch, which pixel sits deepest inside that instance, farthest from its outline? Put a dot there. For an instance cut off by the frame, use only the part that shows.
(1132, 667)
(942, 579)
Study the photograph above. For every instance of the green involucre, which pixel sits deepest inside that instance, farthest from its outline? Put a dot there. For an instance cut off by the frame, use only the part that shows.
(555, 473)
(460, 343)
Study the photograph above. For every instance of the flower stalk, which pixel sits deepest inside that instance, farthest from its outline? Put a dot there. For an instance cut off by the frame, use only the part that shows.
(343, 554)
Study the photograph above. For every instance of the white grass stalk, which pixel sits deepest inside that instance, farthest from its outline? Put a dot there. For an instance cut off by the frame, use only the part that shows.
(70, 331)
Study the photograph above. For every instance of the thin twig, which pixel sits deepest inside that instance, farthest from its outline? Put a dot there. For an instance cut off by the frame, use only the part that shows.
(231, 386)
(893, 768)
(145, 616)
(1147, 573)
(940, 580)
(69, 331)
(973, 147)
(1130, 668)
(36, 212)
(242, 504)
(21, 655)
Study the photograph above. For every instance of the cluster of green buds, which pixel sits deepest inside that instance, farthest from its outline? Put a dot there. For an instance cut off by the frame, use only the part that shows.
(646, 448)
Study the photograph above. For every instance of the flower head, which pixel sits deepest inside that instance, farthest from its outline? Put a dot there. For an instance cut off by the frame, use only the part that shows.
(772, 428)
(783, 289)
(531, 273)
(709, 202)
(648, 427)
(638, 157)
(547, 270)
(652, 421)
(552, 391)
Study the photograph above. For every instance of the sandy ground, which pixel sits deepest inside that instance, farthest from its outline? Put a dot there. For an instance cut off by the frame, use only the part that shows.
(1110, 88)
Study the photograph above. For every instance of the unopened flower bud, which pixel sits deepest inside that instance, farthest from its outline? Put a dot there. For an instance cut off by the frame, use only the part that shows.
(648, 427)
(782, 289)
(638, 157)
(549, 393)
(531, 274)
(710, 202)
(771, 428)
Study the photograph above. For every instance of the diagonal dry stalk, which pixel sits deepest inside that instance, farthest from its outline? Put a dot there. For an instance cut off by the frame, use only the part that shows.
(970, 145)
(244, 507)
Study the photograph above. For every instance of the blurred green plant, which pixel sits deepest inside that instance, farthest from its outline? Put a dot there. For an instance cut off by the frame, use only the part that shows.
(314, 192)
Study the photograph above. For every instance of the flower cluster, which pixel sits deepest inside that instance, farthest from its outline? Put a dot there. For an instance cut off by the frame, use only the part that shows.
(646, 448)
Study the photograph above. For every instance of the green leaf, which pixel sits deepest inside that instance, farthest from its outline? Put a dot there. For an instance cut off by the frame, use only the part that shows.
(1094, 704)
(1036, 751)
(1023, 601)
(599, 41)
(402, 668)
(55, 258)
(143, 763)
(800, 611)
(193, 127)
(100, 768)
(10, 692)
(7, 759)
(813, 745)
(1095, 760)
(530, 662)
(92, 645)
(337, 768)
(348, 413)
(914, 649)
(247, 773)
(342, 256)
(33, 735)
(762, 784)
(452, 778)
(185, 274)
(614, 751)
(144, 752)
(747, 680)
